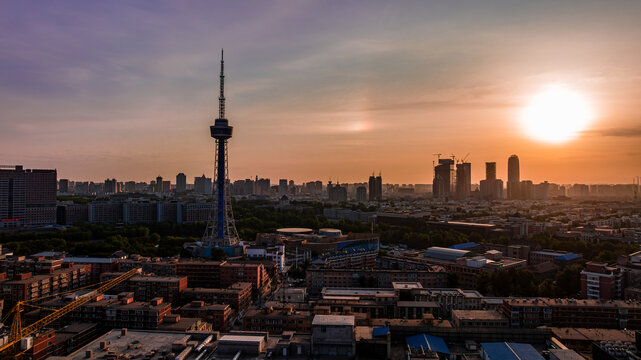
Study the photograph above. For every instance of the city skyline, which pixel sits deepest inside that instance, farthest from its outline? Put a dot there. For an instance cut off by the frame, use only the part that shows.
(317, 89)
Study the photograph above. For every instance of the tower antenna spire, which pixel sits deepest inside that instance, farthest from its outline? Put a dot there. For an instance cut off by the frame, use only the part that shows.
(221, 97)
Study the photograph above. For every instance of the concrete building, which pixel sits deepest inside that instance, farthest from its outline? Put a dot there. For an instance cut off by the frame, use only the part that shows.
(59, 278)
(63, 186)
(610, 314)
(273, 253)
(219, 315)
(181, 183)
(238, 296)
(128, 343)
(375, 184)
(333, 335)
(278, 321)
(27, 197)
(600, 281)
(337, 193)
(361, 194)
(479, 318)
(513, 178)
(442, 183)
(203, 185)
(317, 279)
(463, 180)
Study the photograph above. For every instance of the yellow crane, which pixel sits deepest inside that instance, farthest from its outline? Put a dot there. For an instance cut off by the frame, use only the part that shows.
(17, 332)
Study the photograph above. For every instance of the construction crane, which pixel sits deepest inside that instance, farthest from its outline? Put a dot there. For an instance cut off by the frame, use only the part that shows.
(17, 332)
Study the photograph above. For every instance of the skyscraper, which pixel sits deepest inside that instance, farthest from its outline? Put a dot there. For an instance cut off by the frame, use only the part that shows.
(221, 230)
(463, 180)
(490, 171)
(375, 188)
(442, 183)
(488, 186)
(181, 183)
(158, 188)
(513, 178)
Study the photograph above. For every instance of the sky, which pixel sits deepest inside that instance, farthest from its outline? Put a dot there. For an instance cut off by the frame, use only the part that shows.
(316, 90)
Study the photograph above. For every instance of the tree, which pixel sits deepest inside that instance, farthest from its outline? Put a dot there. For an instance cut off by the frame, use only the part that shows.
(568, 281)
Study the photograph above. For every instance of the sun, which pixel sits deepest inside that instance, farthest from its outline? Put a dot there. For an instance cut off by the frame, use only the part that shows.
(555, 115)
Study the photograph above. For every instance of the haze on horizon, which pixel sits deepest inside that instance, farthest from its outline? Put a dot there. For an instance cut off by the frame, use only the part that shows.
(315, 89)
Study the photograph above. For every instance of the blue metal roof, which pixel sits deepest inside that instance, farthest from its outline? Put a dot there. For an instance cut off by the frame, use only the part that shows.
(464, 246)
(510, 351)
(380, 331)
(428, 342)
(568, 257)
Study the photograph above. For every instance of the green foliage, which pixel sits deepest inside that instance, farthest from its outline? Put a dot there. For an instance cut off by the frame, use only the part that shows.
(511, 282)
(298, 272)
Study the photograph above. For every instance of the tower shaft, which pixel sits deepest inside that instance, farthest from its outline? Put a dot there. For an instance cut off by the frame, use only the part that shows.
(221, 230)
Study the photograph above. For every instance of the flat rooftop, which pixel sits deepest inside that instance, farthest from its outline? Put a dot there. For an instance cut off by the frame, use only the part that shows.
(136, 344)
(336, 320)
(478, 315)
(358, 292)
(407, 285)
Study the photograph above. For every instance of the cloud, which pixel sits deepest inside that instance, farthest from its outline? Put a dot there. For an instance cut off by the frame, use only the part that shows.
(618, 132)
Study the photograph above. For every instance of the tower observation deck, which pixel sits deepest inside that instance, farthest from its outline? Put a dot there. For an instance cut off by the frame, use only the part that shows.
(221, 230)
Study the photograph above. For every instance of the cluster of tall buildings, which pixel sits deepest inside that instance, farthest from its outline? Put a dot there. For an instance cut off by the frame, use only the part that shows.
(453, 180)
(450, 182)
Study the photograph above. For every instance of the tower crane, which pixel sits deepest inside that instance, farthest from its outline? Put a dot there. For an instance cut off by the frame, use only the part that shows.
(17, 332)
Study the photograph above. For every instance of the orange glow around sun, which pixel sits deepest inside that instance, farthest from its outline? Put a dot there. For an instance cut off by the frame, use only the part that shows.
(556, 115)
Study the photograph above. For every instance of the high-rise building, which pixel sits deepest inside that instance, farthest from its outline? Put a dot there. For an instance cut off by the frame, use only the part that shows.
(63, 186)
(282, 187)
(27, 197)
(490, 171)
(158, 188)
(375, 188)
(379, 187)
(221, 229)
(130, 187)
(527, 190)
(488, 186)
(442, 183)
(181, 183)
(361, 194)
(202, 185)
(166, 186)
(263, 186)
(110, 186)
(513, 178)
(337, 193)
(463, 180)
(372, 188)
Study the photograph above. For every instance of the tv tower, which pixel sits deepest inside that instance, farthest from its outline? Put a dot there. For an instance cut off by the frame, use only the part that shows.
(221, 230)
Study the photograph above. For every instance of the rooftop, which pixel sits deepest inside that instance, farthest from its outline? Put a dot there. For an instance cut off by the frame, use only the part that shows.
(135, 343)
(477, 315)
(407, 285)
(335, 320)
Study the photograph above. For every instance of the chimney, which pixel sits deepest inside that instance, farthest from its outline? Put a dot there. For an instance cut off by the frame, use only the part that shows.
(123, 332)
(88, 354)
